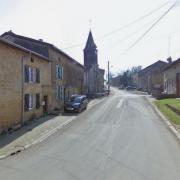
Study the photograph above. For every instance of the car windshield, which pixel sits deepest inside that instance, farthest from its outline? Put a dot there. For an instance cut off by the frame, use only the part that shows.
(77, 100)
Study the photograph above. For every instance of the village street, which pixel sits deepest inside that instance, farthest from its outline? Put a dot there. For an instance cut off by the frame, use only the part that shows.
(119, 138)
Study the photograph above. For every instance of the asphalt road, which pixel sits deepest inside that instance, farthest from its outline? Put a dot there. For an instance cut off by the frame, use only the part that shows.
(120, 138)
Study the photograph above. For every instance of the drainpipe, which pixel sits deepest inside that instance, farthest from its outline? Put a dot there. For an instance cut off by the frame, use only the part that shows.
(22, 85)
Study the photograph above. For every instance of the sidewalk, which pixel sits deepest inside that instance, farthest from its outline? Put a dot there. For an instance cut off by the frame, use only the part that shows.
(36, 131)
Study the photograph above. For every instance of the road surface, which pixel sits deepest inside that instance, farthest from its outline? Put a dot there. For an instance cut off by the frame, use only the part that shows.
(120, 138)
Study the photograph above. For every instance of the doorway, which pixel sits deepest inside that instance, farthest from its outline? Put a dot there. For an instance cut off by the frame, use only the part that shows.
(178, 84)
(45, 107)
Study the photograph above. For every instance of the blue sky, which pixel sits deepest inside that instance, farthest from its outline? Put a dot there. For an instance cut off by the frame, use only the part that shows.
(66, 22)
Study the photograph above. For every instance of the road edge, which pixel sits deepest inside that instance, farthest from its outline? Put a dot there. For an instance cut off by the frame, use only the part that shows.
(165, 120)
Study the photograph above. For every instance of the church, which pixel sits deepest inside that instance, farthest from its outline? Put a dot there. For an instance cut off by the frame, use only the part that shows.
(94, 76)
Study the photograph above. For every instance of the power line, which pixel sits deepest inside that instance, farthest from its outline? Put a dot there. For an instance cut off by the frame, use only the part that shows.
(149, 29)
(131, 34)
(136, 20)
(125, 26)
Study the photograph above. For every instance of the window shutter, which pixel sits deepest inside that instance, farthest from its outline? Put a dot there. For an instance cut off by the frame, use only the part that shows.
(26, 73)
(62, 91)
(26, 102)
(56, 92)
(37, 101)
(57, 71)
(62, 72)
(37, 75)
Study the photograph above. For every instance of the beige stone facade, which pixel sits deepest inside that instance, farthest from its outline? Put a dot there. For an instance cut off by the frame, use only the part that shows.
(72, 79)
(151, 78)
(172, 78)
(66, 73)
(13, 88)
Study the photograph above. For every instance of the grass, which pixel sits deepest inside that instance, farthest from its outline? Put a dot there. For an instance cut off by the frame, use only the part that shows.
(161, 104)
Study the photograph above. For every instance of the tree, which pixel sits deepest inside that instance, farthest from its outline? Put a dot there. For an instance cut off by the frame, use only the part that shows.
(126, 77)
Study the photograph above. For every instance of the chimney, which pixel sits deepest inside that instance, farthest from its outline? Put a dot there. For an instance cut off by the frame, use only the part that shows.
(169, 59)
(41, 40)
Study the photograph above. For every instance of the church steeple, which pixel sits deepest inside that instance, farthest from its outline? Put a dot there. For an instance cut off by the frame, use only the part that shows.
(90, 44)
(90, 52)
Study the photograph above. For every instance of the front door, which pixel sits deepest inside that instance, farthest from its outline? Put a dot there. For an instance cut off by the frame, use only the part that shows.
(45, 107)
(178, 84)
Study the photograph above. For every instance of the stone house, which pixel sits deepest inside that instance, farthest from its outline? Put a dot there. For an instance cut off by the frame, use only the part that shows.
(172, 78)
(67, 74)
(94, 76)
(135, 79)
(116, 81)
(25, 85)
(151, 78)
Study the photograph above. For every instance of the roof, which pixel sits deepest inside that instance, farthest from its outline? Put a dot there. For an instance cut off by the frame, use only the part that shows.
(38, 46)
(9, 43)
(90, 44)
(172, 64)
(102, 70)
(158, 64)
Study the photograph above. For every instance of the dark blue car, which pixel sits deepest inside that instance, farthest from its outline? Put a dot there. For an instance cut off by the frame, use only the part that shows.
(76, 103)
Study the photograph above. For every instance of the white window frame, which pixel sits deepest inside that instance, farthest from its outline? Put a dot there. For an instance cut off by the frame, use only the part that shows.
(59, 72)
(32, 75)
(31, 101)
(60, 92)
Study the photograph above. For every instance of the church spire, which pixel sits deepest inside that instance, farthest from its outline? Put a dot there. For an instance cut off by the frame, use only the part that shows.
(90, 52)
(90, 44)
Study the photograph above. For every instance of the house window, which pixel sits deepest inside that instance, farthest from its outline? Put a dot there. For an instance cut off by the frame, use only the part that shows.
(32, 59)
(60, 93)
(28, 104)
(32, 75)
(59, 72)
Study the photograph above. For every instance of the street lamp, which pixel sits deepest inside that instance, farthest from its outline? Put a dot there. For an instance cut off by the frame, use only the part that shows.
(109, 76)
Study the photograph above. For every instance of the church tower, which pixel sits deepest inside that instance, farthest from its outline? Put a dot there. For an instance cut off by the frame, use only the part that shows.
(90, 53)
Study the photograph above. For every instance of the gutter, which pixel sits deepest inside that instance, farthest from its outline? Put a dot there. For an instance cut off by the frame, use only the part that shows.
(22, 84)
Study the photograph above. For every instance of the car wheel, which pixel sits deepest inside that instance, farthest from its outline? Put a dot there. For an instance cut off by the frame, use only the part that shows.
(79, 110)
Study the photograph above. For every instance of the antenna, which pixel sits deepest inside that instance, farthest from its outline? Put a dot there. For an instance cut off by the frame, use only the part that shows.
(169, 45)
(90, 24)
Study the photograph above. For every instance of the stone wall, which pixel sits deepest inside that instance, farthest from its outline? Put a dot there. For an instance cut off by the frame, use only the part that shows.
(12, 85)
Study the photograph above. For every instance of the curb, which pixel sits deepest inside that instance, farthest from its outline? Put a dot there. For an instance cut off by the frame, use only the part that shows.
(165, 120)
(43, 136)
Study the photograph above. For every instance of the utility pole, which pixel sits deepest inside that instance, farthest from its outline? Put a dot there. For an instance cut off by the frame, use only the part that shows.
(108, 79)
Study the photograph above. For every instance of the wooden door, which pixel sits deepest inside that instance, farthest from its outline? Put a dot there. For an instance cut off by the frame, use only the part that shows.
(178, 84)
(45, 107)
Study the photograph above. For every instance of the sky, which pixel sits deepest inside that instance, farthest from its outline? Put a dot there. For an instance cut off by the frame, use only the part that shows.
(66, 23)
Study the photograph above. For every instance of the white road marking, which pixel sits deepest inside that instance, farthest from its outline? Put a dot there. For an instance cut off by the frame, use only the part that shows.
(120, 103)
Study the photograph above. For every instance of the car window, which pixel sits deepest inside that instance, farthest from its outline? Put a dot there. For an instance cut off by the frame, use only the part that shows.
(77, 100)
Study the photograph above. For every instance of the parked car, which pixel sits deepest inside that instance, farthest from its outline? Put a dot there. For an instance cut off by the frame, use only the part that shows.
(77, 103)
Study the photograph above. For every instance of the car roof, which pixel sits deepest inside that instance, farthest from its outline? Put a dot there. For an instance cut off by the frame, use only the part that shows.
(81, 96)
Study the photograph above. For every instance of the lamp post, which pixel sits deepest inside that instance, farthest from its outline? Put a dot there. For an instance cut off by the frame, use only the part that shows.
(109, 76)
(108, 79)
